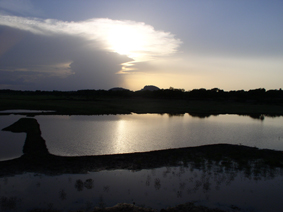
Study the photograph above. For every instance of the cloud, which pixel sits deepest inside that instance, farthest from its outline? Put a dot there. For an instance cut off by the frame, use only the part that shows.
(87, 54)
(136, 40)
(58, 62)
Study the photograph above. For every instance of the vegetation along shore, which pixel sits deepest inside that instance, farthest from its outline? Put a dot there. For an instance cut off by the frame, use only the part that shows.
(122, 101)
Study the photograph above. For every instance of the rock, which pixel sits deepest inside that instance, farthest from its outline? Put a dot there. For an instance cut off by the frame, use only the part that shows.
(150, 88)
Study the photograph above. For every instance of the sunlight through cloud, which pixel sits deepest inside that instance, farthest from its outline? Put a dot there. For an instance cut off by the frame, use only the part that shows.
(136, 40)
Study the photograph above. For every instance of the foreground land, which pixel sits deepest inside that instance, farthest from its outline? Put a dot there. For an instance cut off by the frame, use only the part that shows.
(123, 207)
(237, 157)
(251, 161)
(255, 163)
(164, 101)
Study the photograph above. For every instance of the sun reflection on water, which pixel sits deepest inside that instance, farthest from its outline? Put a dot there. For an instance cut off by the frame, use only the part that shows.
(119, 144)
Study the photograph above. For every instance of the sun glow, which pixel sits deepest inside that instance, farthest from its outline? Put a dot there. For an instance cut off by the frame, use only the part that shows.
(139, 42)
(126, 40)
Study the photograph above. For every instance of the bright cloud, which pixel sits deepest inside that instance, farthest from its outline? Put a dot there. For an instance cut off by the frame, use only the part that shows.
(136, 40)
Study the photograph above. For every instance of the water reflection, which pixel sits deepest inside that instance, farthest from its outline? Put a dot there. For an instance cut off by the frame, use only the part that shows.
(9, 203)
(176, 114)
(140, 133)
(202, 115)
(210, 184)
(113, 134)
(63, 194)
(119, 144)
(223, 176)
(80, 185)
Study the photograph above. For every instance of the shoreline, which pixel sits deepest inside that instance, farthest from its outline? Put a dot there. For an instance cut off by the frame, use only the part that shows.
(190, 206)
(238, 157)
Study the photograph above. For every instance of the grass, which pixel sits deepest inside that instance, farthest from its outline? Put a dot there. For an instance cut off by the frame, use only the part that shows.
(133, 105)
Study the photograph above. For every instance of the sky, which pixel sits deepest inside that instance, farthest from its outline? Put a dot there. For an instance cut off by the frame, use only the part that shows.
(188, 44)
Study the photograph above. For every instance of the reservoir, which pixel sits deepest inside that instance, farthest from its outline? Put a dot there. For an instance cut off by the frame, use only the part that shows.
(113, 134)
(210, 185)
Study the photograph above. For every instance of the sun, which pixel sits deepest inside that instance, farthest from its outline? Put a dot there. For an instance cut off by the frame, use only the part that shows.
(127, 40)
(138, 41)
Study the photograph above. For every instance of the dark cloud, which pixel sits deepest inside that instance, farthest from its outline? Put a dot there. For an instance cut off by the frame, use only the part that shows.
(61, 62)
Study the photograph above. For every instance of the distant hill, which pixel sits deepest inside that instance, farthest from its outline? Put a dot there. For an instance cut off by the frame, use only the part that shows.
(118, 89)
(150, 88)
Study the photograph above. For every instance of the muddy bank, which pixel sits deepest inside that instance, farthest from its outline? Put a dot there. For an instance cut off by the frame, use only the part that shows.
(124, 207)
(132, 208)
(224, 155)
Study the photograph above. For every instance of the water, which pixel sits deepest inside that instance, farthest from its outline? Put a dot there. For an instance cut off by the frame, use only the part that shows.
(210, 185)
(156, 188)
(112, 134)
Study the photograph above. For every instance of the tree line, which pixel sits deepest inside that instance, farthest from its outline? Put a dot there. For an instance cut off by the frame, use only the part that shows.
(253, 95)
